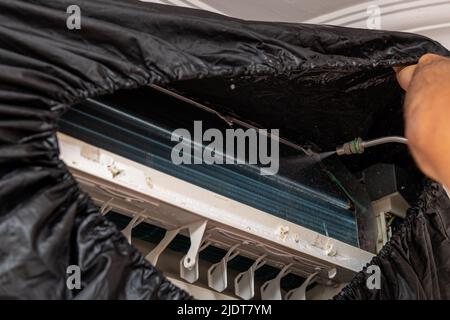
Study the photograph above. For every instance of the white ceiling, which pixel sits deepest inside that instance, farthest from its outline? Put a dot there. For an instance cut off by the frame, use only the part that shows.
(427, 17)
(265, 10)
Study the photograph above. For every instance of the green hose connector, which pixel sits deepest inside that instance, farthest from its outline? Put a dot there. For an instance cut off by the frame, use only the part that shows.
(353, 147)
(357, 146)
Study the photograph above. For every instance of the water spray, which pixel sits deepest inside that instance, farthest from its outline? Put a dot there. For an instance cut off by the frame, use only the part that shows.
(357, 146)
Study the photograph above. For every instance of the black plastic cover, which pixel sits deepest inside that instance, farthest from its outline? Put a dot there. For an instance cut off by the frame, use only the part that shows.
(48, 223)
(415, 263)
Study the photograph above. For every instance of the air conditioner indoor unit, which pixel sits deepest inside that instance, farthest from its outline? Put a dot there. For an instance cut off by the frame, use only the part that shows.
(92, 119)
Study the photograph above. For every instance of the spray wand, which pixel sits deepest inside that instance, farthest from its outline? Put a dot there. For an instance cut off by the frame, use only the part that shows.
(357, 146)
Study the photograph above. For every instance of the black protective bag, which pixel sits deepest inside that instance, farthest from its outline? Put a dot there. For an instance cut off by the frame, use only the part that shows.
(325, 74)
(415, 263)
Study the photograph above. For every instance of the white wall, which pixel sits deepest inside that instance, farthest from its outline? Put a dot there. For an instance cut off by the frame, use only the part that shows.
(427, 17)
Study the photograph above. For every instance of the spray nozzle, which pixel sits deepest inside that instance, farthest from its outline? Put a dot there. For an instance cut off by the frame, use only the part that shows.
(353, 147)
(357, 146)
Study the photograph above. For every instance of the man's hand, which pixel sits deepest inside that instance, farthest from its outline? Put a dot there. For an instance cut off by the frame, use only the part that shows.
(427, 114)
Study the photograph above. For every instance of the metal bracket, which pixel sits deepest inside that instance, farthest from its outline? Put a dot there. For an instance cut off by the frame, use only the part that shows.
(137, 219)
(300, 292)
(217, 273)
(191, 274)
(196, 231)
(271, 290)
(244, 283)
